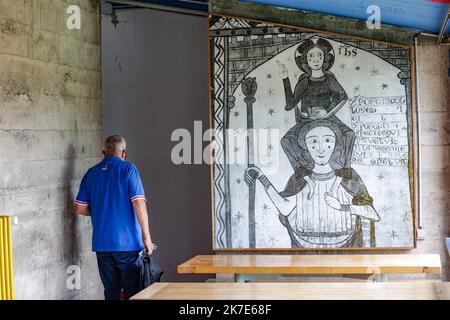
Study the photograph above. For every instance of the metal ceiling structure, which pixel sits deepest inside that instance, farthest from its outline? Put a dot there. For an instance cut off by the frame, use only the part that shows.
(197, 7)
(423, 15)
(430, 16)
(445, 26)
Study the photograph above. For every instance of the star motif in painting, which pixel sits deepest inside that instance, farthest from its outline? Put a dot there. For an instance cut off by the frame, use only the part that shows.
(393, 234)
(269, 76)
(357, 68)
(342, 66)
(236, 149)
(384, 209)
(380, 177)
(236, 114)
(270, 92)
(374, 72)
(356, 89)
(271, 111)
(239, 216)
(384, 86)
(238, 180)
(265, 207)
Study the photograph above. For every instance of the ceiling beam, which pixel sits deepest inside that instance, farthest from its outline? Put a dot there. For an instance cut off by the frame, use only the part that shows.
(186, 6)
(312, 20)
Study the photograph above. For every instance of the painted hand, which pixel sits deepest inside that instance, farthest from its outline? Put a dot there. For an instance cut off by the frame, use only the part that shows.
(332, 201)
(282, 70)
(251, 174)
(303, 114)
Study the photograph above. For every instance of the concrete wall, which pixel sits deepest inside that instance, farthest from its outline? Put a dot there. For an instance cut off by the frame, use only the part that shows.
(434, 109)
(155, 82)
(50, 133)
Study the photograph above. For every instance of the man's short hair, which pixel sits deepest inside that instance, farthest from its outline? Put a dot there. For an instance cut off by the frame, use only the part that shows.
(115, 144)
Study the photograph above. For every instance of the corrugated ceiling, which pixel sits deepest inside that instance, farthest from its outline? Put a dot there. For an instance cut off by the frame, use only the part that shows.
(417, 14)
(426, 15)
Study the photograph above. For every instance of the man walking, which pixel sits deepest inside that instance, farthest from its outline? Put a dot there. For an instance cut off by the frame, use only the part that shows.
(111, 193)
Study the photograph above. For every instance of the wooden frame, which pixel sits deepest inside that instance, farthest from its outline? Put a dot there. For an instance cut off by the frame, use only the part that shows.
(412, 141)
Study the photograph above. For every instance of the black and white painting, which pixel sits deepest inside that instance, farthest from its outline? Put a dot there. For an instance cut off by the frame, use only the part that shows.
(313, 143)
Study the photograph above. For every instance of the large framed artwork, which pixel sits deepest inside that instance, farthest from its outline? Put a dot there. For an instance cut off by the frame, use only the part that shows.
(314, 139)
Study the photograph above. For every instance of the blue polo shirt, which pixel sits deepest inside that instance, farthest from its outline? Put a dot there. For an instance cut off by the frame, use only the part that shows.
(109, 188)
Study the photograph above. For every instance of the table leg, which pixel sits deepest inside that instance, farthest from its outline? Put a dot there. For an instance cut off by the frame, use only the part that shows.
(255, 277)
(381, 277)
(378, 277)
(240, 278)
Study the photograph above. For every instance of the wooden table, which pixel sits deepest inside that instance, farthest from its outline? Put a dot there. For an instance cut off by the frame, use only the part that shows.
(424, 290)
(244, 267)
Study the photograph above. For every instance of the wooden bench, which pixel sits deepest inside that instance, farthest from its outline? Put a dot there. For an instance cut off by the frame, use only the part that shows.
(326, 280)
(251, 267)
(297, 291)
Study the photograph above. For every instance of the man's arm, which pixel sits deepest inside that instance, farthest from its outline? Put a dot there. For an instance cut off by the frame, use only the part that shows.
(81, 207)
(141, 211)
(82, 210)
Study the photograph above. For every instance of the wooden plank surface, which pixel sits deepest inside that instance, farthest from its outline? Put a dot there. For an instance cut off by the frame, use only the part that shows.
(314, 264)
(297, 291)
(325, 280)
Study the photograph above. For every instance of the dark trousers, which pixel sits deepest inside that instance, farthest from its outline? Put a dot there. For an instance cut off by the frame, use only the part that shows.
(120, 271)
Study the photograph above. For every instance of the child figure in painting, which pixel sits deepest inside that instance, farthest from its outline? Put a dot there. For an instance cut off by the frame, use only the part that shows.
(317, 95)
(323, 220)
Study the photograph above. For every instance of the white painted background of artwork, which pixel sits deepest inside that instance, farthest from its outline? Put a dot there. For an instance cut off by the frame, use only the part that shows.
(394, 230)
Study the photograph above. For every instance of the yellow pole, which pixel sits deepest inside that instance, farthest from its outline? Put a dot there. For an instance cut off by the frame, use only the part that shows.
(2, 263)
(5, 256)
(11, 273)
(6, 266)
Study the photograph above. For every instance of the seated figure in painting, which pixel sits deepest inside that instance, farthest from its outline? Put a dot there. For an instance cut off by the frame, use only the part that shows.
(322, 217)
(317, 95)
